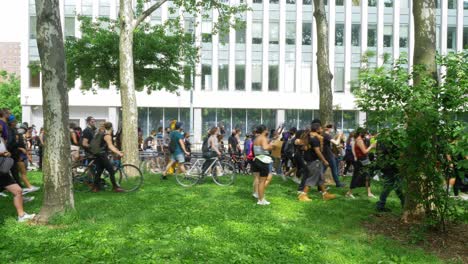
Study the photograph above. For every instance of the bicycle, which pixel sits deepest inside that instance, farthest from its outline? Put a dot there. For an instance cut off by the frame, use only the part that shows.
(239, 163)
(153, 162)
(223, 173)
(128, 176)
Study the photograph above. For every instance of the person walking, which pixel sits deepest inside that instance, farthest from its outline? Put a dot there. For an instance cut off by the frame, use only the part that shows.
(177, 150)
(330, 156)
(261, 166)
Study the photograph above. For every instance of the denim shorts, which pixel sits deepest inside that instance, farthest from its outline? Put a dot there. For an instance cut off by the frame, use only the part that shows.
(178, 157)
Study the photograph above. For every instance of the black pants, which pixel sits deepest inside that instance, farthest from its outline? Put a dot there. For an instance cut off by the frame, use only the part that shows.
(390, 182)
(348, 165)
(15, 173)
(102, 162)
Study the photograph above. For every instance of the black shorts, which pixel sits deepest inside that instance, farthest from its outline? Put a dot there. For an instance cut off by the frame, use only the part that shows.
(259, 167)
(6, 180)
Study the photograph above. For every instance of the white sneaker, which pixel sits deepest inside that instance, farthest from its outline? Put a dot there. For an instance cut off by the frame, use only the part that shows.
(2, 194)
(265, 202)
(30, 190)
(260, 203)
(27, 199)
(350, 196)
(26, 217)
(255, 195)
(296, 180)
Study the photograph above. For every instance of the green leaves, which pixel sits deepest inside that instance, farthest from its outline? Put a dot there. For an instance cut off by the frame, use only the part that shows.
(10, 93)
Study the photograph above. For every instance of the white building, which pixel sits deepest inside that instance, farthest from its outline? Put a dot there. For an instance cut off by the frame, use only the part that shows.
(266, 73)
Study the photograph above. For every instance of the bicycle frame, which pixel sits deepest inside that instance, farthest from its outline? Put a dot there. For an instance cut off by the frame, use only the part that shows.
(199, 165)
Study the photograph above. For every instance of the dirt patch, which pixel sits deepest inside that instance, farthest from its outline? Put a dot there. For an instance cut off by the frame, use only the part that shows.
(450, 246)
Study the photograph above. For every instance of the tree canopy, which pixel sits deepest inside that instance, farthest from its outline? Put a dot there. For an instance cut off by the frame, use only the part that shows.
(10, 89)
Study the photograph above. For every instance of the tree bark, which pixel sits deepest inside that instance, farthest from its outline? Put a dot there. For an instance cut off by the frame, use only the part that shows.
(324, 75)
(424, 54)
(58, 194)
(127, 85)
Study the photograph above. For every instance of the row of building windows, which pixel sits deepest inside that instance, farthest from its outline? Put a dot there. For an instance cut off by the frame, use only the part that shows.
(452, 4)
(244, 119)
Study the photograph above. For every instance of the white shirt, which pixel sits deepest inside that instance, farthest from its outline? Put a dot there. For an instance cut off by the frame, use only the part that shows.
(2, 145)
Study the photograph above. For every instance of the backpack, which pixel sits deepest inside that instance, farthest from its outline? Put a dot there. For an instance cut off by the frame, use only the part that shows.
(95, 145)
(205, 146)
(251, 154)
(172, 144)
(289, 148)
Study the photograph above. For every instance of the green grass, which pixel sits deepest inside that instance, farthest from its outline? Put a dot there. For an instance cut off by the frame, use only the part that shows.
(165, 223)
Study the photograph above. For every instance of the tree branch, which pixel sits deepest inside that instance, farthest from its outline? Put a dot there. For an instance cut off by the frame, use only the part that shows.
(148, 12)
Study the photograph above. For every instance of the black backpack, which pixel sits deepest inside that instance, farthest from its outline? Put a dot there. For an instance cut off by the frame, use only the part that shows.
(95, 145)
(172, 144)
(289, 148)
(205, 146)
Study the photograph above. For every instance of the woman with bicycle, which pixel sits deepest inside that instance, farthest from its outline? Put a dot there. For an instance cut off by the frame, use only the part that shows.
(262, 163)
(102, 161)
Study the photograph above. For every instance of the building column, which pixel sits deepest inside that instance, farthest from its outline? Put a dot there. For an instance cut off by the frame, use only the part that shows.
(460, 11)
(298, 66)
(266, 43)
(411, 38)
(232, 57)
(380, 32)
(331, 38)
(198, 44)
(314, 74)
(62, 15)
(282, 45)
(197, 120)
(348, 51)
(248, 49)
(215, 55)
(280, 117)
(113, 117)
(364, 29)
(396, 29)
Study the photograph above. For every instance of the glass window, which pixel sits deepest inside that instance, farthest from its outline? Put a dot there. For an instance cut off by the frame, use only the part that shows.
(34, 79)
(224, 38)
(223, 77)
(452, 4)
(70, 8)
(306, 33)
(156, 118)
(307, 2)
(451, 37)
(350, 122)
(339, 79)
(223, 116)
(104, 8)
(339, 2)
(206, 31)
(257, 1)
(465, 36)
(305, 118)
(291, 33)
(356, 2)
(208, 120)
(87, 7)
(273, 71)
(184, 117)
(339, 35)
(465, 4)
(257, 32)
(274, 32)
(403, 36)
(240, 77)
(143, 120)
(337, 118)
(388, 36)
(240, 35)
(372, 35)
(269, 118)
(254, 117)
(238, 120)
(372, 2)
(256, 77)
(69, 26)
(170, 114)
(189, 26)
(274, 1)
(354, 76)
(206, 77)
(356, 35)
(32, 27)
(388, 3)
(290, 118)
(292, 2)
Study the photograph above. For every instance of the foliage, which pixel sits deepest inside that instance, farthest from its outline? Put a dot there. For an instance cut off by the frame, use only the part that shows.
(10, 89)
(421, 122)
(165, 223)
(164, 55)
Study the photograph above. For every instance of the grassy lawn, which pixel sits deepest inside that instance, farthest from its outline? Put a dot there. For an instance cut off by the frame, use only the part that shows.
(165, 223)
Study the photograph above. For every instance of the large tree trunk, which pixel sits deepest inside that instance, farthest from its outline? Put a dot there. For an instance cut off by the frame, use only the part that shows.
(127, 85)
(58, 194)
(424, 54)
(324, 75)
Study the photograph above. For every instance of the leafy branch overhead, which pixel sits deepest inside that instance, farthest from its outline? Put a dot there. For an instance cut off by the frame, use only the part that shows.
(164, 54)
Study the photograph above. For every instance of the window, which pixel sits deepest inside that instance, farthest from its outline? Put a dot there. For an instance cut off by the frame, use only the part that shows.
(240, 77)
(257, 1)
(356, 35)
(339, 35)
(104, 8)
(32, 27)
(350, 121)
(465, 4)
(354, 77)
(269, 118)
(254, 118)
(70, 8)
(240, 35)
(372, 35)
(388, 36)
(452, 4)
(307, 2)
(339, 79)
(189, 27)
(223, 38)
(34, 78)
(339, 2)
(465, 37)
(306, 33)
(256, 77)
(388, 3)
(238, 119)
(274, 32)
(206, 32)
(223, 77)
(273, 71)
(87, 7)
(257, 32)
(206, 77)
(372, 2)
(356, 2)
(404, 36)
(208, 119)
(274, 1)
(292, 2)
(69, 26)
(291, 33)
(451, 37)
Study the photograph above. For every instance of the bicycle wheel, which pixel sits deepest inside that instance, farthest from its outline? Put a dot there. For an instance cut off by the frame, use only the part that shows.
(147, 166)
(191, 176)
(129, 178)
(225, 174)
(82, 178)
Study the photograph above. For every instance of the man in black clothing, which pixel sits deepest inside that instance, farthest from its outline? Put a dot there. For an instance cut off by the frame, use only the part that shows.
(233, 142)
(328, 153)
(149, 141)
(88, 133)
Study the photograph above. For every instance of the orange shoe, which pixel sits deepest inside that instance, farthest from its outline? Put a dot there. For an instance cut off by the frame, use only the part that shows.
(328, 196)
(303, 197)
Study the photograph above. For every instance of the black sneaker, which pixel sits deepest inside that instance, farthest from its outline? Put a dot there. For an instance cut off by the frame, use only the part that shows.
(383, 210)
(163, 177)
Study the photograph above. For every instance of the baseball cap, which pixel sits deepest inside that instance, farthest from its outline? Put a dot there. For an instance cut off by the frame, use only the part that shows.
(179, 125)
(11, 119)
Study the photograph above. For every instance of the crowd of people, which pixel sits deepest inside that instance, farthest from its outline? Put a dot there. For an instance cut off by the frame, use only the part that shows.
(300, 155)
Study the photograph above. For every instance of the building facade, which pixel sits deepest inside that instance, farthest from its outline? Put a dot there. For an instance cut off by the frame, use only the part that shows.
(10, 53)
(265, 73)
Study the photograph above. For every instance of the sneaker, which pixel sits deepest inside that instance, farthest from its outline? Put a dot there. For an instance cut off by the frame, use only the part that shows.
(27, 199)
(303, 197)
(2, 194)
(163, 177)
(296, 180)
(350, 195)
(265, 202)
(260, 203)
(30, 190)
(25, 217)
(328, 196)
(255, 195)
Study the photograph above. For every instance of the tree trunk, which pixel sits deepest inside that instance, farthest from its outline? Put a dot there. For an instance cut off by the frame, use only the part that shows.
(58, 194)
(127, 85)
(424, 54)
(324, 75)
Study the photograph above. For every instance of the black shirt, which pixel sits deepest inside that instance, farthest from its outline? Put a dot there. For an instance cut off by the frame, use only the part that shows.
(327, 151)
(233, 142)
(310, 155)
(88, 133)
(147, 141)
